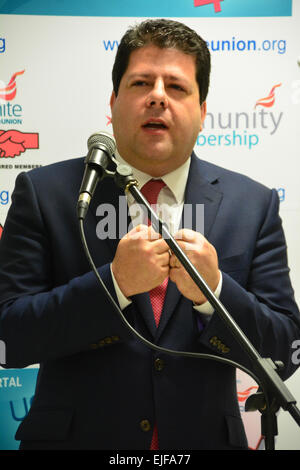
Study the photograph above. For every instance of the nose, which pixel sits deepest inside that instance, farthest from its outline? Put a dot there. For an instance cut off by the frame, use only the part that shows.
(157, 97)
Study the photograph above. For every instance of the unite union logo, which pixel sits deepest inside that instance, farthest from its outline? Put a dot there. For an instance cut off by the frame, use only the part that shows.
(9, 92)
(10, 113)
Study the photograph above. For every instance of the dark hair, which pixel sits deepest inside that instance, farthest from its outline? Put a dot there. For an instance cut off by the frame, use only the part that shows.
(164, 33)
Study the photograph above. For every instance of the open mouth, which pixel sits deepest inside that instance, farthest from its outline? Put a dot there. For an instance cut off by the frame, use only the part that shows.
(154, 125)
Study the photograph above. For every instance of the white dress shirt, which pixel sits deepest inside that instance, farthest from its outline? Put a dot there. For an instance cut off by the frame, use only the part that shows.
(170, 204)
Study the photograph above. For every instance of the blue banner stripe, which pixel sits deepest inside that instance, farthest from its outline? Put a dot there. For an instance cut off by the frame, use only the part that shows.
(150, 8)
(17, 387)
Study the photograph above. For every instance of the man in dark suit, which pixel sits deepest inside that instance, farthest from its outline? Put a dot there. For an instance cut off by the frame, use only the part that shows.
(99, 386)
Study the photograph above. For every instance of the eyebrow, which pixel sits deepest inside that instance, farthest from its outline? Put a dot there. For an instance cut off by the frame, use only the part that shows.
(151, 75)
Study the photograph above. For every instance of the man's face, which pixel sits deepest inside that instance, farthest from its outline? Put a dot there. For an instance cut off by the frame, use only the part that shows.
(156, 115)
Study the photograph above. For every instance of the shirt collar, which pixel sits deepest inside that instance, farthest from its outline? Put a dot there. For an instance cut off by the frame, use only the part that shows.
(176, 180)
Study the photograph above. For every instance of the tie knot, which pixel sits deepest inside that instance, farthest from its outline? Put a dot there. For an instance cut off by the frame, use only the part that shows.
(152, 189)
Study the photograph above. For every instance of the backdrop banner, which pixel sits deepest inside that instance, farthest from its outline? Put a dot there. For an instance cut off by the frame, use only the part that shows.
(55, 84)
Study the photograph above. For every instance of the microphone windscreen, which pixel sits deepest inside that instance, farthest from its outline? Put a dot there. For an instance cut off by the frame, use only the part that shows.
(102, 138)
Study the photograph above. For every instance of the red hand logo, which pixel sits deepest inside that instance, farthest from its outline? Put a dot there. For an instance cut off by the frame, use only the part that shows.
(14, 142)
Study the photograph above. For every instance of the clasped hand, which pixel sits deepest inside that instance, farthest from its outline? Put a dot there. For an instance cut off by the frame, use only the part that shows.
(143, 261)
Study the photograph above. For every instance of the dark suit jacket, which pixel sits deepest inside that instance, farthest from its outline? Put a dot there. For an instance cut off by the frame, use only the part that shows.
(99, 386)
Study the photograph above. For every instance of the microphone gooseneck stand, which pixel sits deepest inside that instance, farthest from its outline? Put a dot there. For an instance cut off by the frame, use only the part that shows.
(273, 393)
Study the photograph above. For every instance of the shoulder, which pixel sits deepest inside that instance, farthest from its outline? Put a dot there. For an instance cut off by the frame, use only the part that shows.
(59, 170)
(61, 174)
(232, 182)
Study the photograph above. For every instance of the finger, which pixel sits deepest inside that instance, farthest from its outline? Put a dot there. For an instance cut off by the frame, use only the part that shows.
(143, 231)
(174, 262)
(164, 259)
(189, 235)
(184, 246)
(153, 235)
(175, 275)
(160, 246)
(197, 244)
(140, 231)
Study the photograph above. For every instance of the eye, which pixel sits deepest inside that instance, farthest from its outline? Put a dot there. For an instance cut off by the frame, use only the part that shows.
(175, 86)
(139, 83)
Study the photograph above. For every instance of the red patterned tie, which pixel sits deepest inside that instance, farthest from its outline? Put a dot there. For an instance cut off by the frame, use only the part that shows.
(151, 191)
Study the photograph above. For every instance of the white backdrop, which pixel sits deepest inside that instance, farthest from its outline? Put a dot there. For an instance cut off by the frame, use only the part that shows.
(63, 96)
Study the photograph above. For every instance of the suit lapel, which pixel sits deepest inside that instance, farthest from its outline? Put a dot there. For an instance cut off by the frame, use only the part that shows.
(109, 208)
(201, 190)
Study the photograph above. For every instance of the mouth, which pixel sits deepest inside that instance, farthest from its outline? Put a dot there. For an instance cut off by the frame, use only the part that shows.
(155, 125)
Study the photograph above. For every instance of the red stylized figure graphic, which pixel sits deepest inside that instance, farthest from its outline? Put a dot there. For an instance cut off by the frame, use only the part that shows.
(1, 230)
(14, 142)
(9, 92)
(217, 5)
(269, 100)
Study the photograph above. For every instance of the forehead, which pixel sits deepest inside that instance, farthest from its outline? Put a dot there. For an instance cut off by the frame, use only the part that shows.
(170, 61)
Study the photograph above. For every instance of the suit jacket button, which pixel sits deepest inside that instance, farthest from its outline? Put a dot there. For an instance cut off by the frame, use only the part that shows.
(145, 425)
(159, 364)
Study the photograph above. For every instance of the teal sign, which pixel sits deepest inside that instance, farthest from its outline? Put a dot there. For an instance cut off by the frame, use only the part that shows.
(152, 8)
(17, 388)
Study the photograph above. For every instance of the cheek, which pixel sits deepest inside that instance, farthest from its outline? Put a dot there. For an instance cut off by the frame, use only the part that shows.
(123, 114)
(116, 113)
(119, 123)
(196, 126)
(189, 117)
(190, 129)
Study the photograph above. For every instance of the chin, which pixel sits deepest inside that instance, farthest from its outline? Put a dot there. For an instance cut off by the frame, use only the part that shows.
(157, 160)
(158, 154)
(158, 166)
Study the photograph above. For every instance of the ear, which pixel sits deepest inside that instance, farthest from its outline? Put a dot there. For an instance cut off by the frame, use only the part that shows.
(203, 114)
(112, 100)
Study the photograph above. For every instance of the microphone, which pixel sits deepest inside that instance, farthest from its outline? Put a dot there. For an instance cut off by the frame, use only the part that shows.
(101, 147)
